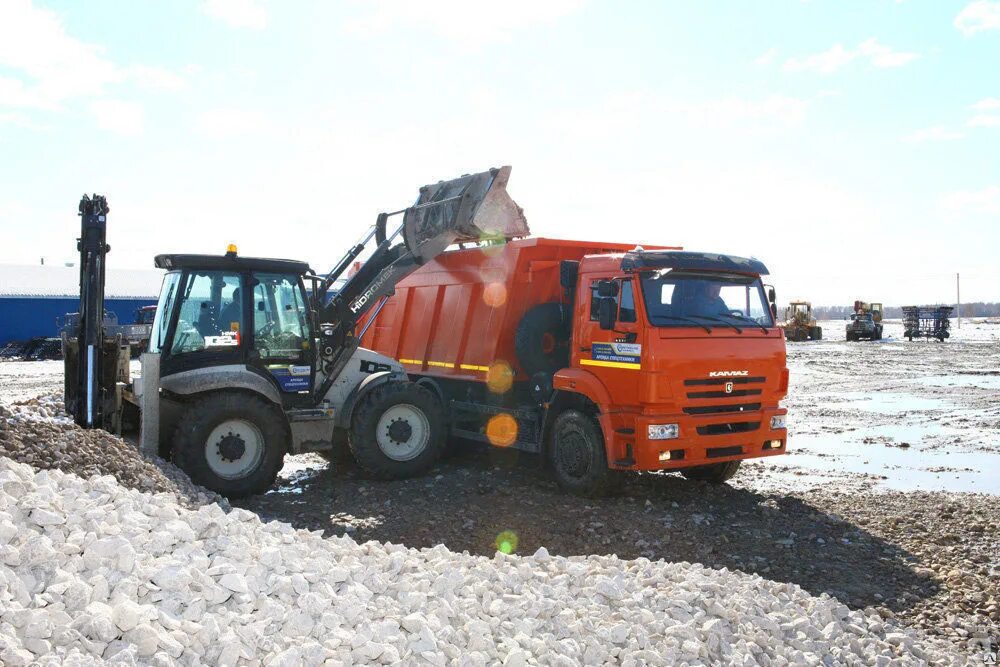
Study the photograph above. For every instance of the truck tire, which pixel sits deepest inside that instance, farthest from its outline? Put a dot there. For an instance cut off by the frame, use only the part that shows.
(578, 458)
(397, 431)
(715, 473)
(231, 443)
(540, 340)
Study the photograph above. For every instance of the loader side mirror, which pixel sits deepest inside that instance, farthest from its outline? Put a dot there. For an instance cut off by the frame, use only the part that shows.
(607, 312)
(607, 289)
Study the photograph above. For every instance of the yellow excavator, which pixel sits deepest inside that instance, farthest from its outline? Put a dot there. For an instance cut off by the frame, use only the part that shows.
(799, 324)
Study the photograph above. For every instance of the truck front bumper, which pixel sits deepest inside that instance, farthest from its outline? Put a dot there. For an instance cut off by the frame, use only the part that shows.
(701, 440)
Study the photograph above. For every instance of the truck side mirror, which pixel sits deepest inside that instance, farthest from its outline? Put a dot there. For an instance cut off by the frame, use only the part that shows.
(607, 289)
(774, 311)
(606, 313)
(770, 294)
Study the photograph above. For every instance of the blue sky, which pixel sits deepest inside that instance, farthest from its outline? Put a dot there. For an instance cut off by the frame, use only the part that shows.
(852, 146)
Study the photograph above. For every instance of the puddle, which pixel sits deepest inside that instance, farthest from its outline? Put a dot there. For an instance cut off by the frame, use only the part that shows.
(905, 468)
(886, 403)
(977, 381)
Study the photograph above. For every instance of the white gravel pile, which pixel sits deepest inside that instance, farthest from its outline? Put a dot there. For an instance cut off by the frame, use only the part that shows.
(91, 571)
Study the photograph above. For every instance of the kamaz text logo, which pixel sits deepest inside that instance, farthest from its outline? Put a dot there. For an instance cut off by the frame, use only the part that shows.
(728, 374)
(363, 299)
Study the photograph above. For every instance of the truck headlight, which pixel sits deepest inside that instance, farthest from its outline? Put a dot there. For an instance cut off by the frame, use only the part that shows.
(662, 431)
(778, 421)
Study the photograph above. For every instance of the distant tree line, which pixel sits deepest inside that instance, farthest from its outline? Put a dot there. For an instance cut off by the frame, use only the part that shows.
(976, 309)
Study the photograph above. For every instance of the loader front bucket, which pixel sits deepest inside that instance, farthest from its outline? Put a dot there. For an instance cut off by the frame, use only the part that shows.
(472, 208)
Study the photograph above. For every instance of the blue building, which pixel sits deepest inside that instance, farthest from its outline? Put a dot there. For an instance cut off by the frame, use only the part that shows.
(32, 298)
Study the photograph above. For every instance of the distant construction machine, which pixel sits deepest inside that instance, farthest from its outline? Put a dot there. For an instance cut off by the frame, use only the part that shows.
(866, 322)
(927, 322)
(799, 324)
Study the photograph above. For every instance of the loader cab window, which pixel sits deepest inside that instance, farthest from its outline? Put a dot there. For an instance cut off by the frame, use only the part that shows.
(280, 317)
(210, 313)
(625, 300)
(168, 293)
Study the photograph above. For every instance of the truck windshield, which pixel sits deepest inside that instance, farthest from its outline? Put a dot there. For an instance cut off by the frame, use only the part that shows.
(678, 299)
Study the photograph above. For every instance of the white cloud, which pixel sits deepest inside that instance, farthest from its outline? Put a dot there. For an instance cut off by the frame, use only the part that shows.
(237, 13)
(156, 78)
(459, 21)
(766, 58)
(979, 16)
(49, 66)
(221, 124)
(936, 133)
(987, 104)
(118, 116)
(985, 201)
(838, 57)
(984, 120)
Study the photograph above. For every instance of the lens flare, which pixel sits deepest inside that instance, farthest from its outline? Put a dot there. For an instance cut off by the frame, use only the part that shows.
(506, 542)
(501, 430)
(495, 294)
(500, 377)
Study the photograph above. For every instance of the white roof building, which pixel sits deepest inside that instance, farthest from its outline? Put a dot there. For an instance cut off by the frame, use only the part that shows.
(17, 280)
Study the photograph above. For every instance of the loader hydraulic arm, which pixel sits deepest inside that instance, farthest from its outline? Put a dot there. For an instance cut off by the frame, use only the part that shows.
(468, 209)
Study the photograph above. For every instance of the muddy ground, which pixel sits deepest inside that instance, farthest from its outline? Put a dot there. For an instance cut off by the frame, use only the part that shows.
(887, 499)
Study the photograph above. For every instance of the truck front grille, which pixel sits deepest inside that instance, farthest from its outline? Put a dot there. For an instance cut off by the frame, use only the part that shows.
(728, 428)
(719, 452)
(722, 383)
(721, 409)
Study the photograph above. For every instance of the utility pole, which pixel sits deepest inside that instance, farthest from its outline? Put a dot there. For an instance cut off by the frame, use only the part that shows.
(958, 301)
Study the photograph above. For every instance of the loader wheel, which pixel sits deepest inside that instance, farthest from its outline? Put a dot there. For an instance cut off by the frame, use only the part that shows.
(714, 473)
(540, 340)
(578, 458)
(340, 454)
(231, 443)
(816, 333)
(397, 431)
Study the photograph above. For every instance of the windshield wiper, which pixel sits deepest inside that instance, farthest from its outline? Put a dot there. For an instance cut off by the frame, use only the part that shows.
(684, 319)
(744, 318)
(718, 319)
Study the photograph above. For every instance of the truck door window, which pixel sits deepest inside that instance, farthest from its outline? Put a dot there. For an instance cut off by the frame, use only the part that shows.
(280, 317)
(210, 314)
(626, 308)
(625, 300)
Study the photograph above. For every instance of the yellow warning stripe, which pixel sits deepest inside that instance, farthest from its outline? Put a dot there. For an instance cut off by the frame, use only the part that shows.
(442, 364)
(411, 361)
(610, 364)
(471, 367)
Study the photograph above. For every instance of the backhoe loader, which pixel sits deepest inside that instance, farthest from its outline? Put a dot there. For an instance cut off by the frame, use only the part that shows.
(253, 358)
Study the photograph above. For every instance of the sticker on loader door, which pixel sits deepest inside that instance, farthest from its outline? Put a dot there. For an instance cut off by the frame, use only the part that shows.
(615, 355)
(291, 378)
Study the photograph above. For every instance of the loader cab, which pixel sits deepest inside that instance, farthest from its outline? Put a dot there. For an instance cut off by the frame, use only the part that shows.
(230, 311)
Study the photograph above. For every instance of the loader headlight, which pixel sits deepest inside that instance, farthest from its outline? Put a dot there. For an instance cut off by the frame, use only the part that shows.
(662, 431)
(778, 421)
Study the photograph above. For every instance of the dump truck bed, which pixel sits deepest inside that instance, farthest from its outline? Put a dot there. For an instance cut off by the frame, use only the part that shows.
(456, 316)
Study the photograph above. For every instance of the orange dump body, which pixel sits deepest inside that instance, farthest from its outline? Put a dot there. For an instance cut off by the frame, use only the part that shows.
(453, 323)
(455, 317)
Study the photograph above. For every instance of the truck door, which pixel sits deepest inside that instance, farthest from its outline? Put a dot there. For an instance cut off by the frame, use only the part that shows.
(613, 355)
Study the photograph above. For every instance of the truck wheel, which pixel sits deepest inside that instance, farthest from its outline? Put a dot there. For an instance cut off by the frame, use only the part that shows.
(231, 443)
(397, 431)
(716, 473)
(540, 340)
(578, 458)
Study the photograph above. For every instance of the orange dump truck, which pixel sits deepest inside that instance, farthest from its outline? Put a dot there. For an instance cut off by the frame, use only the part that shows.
(602, 357)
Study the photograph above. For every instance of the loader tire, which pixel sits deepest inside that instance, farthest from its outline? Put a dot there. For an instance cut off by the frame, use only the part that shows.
(397, 431)
(714, 473)
(340, 454)
(578, 458)
(231, 443)
(540, 340)
(815, 333)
